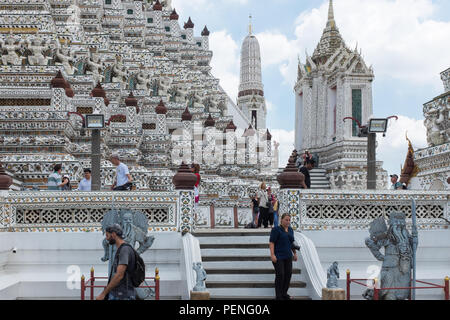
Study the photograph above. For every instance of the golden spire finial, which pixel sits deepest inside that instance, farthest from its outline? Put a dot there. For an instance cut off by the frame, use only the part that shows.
(331, 23)
(331, 11)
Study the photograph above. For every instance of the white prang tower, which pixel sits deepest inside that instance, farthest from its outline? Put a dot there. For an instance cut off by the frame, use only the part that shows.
(333, 84)
(251, 90)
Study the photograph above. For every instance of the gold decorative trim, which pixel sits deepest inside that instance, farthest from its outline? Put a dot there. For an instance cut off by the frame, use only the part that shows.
(19, 30)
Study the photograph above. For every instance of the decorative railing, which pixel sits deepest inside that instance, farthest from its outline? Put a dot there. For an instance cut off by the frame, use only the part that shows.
(48, 211)
(430, 152)
(339, 209)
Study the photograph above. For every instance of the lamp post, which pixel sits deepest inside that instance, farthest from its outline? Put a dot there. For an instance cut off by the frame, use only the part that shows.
(95, 122)
(370, 131)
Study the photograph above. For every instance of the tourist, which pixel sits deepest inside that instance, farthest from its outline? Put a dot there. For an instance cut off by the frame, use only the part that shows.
(66, 184)
(309, 165)
(270, 211)
(54, 181)
(196, 170)
(396, 185)
(123, 177)
(120, 285)
(255, 212)
(263, 203)
(275, 211)
(282, 254)
(85, 184)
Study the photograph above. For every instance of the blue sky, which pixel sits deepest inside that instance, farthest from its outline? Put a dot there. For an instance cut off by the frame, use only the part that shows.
(406, 41)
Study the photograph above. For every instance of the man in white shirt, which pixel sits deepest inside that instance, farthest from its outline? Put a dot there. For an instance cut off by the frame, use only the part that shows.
(85, 184)
(123, 177)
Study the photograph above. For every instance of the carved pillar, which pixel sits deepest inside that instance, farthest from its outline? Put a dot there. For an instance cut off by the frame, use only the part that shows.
(290, 184)
(230, 148)
(205, 39)
(184, 182)
(174, 25)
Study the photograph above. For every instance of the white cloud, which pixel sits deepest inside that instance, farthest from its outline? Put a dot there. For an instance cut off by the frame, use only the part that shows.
(225, 61)
(392, 149)
(270, 106)
(286, 139)
(399, 38)
(203, 5)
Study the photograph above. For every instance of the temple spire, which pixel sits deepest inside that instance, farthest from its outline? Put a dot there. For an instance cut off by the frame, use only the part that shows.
(250, 25)
(331, 23)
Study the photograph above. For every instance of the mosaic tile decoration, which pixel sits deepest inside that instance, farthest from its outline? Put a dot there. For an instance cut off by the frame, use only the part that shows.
(82, 211)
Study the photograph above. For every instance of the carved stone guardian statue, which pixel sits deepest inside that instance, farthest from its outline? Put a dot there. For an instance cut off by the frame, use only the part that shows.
(201, 277)
(333, 276)
(397, 259)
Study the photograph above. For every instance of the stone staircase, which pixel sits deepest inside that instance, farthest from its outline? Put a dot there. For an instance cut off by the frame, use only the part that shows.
(238, 265)
(319, 179)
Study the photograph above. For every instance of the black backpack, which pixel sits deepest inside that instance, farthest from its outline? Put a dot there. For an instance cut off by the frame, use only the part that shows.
(138, 274)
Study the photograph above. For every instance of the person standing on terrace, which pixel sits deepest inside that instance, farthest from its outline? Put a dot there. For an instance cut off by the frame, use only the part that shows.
(123, 177)
(54, 181)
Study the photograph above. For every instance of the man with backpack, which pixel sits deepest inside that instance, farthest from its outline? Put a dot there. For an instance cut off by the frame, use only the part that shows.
(127, 268)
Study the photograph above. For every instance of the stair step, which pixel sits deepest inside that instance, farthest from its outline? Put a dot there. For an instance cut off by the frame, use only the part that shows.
(217, 270)
(249, 293)
(238, 264)
(248, 277)
(234, 240)
(250, 284)
(234, 252)
(234, 246)
(236, 258)
(237, 233)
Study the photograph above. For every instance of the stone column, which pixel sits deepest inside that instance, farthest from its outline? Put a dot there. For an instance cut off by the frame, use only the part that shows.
(157, 9)
(187, 141)
(161, 124)
(174, 25)
(230, 148)
(291, 182)
(189, 27)
(205, 39)
(184, 182)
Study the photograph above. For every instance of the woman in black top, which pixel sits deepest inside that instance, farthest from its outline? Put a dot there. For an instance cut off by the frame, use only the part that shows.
(282, 254)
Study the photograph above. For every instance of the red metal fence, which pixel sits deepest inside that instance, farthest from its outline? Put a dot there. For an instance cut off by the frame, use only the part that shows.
(376, 290)
(91, 284)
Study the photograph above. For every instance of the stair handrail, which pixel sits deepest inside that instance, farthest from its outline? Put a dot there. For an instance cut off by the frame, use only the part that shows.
(309, 260)
(192, 254)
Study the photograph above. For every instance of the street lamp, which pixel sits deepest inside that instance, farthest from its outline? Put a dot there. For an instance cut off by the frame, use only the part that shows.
(95, 122)
(376, 125)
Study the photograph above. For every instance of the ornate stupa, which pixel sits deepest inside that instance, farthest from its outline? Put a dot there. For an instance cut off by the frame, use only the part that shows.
(332, 84)
(251, 90)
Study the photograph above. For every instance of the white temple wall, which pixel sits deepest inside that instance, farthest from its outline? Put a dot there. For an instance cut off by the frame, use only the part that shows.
(349, 250)
(340, 113)
(298, 121)
(44, 262)
(347, 108)
(239, 119)
(331, 115)
(320, 113)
